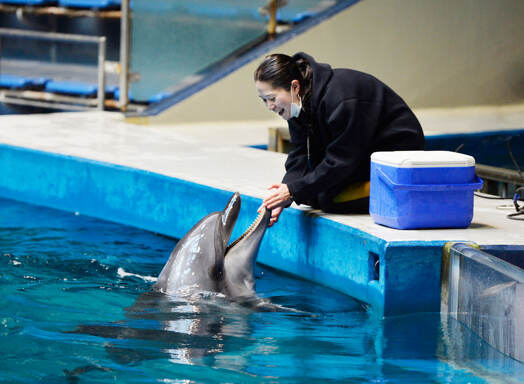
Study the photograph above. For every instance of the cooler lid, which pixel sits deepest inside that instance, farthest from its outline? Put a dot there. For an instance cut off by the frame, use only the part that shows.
(422, 159)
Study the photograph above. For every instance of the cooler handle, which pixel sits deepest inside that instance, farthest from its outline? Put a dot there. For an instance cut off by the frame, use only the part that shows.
(430, 187)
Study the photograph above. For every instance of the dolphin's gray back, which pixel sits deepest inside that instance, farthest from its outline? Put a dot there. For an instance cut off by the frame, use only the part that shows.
(196, 263)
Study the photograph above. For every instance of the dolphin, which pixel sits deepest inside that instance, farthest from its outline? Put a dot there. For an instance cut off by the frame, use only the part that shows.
(202, 260)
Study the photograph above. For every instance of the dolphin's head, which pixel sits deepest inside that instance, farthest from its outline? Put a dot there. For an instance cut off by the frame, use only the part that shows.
(240, 259)
(197, 262)
(202, 260)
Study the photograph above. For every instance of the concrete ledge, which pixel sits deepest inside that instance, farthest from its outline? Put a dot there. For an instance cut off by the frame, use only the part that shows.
(164, 179)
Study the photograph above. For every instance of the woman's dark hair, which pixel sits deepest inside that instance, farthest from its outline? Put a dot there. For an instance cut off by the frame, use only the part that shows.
(280, 70)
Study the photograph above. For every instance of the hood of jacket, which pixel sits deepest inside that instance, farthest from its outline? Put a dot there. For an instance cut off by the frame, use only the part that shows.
(322, 74)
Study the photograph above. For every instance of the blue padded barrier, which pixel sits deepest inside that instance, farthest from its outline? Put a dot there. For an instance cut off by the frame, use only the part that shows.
(76, 88)
(90, 3)
(20, 82)
(110, 90)
(29, 2)
(73, 88)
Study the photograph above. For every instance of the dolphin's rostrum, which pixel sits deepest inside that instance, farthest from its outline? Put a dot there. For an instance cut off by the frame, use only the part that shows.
(202, 261)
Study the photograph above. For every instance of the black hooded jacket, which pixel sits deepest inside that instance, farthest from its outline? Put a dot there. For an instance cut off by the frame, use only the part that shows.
(350, 115)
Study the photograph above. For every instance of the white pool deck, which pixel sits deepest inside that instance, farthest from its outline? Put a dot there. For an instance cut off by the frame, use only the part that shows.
(217, 155)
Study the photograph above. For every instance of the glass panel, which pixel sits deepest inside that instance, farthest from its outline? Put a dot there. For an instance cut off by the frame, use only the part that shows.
(488, 298)
(173, 43)
(171, 40)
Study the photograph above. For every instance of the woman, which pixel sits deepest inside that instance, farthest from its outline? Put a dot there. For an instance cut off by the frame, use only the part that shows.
(337, 118)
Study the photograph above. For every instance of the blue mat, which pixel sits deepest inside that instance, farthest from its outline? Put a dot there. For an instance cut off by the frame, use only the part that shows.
(28, 2)
(20, 82)
(90, 3)
(76, 88)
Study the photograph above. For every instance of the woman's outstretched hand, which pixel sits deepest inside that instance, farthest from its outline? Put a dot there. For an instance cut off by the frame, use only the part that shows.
(277, 201)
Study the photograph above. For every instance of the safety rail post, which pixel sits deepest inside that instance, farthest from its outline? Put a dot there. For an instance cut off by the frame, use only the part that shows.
(101, 72)
(272, 23)
(125, 22)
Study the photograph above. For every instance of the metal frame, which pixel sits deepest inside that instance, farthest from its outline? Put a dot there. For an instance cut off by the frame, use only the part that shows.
(63, 37)
(59, 11)
(125, 28)
(499, 181)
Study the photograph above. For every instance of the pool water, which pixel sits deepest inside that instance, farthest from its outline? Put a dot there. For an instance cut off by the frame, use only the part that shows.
(75, 307)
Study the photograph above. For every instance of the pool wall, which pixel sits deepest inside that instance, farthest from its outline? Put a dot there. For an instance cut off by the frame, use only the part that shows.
(394, 277)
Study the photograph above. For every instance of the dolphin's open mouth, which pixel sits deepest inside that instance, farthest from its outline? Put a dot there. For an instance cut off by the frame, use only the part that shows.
(248, 231)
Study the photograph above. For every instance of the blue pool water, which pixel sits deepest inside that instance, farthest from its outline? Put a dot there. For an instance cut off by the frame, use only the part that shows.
(74, 308)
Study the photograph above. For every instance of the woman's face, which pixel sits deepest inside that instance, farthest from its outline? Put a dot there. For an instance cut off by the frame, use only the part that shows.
(277, 100)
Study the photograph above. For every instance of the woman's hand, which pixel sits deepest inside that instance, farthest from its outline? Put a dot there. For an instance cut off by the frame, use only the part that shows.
(277, 201)
(279, 198)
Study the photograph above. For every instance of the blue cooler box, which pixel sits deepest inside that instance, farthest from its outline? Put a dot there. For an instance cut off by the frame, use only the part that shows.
(422, 189)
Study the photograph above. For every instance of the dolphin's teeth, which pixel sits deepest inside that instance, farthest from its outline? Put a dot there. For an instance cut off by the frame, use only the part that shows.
(248, 231)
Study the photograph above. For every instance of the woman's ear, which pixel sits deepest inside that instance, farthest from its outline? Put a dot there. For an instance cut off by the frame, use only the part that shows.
(295, 85)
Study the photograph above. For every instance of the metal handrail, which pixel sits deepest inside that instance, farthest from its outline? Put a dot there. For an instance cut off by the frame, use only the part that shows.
(65, 37)
(59, 11)
(499, 174)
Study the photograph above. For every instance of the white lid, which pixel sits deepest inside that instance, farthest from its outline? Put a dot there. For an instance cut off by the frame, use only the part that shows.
(422, 159)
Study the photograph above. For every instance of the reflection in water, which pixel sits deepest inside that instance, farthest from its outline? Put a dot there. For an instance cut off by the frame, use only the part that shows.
(185, 330)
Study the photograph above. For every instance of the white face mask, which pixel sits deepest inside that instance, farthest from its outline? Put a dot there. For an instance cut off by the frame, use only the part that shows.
(294, 109)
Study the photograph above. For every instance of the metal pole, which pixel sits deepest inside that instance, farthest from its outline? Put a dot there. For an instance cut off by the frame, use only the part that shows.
(101, 72)
(54, 36)
(272, 23)
(124, 55)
